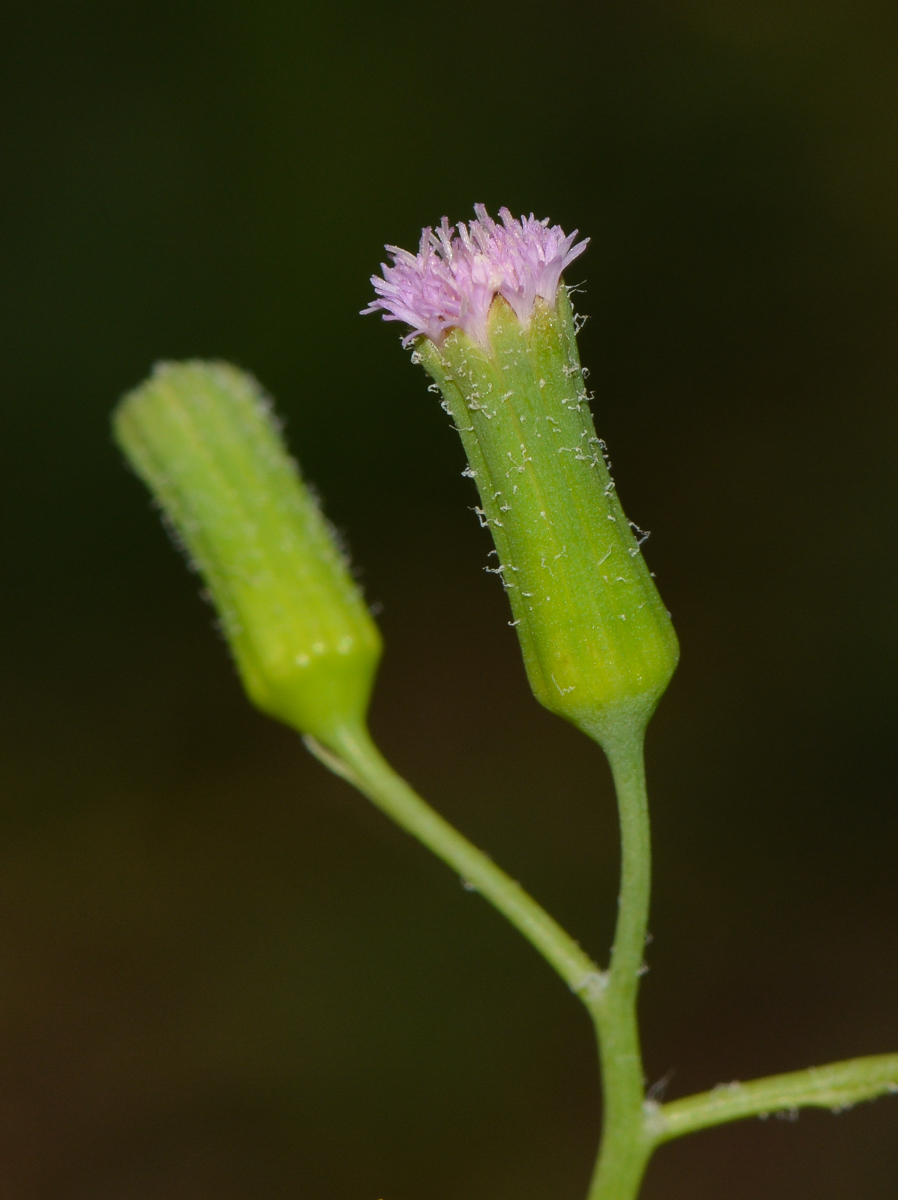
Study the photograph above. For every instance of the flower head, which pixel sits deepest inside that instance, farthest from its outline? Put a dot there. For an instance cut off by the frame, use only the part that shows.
(204, 439)
(452, 280)
(597, 641)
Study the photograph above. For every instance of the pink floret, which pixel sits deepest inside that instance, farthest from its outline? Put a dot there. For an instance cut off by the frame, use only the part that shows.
(452, 280)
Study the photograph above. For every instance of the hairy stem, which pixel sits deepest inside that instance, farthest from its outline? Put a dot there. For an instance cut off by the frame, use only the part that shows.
(835, 1086)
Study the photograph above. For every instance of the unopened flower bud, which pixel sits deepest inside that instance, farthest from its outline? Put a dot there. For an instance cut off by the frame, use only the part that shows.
(493, 326)
(203, 439)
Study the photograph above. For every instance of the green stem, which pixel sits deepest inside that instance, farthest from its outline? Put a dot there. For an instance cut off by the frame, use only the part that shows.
(632, 1128)
(610, 997)
(626, 1142)
(353, 755)
(835, 1086)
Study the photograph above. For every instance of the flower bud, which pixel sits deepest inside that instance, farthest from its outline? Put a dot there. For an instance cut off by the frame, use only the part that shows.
(203, 438)
(495, 330)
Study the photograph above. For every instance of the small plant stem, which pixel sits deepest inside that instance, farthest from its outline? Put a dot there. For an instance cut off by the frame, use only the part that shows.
(626, 1141)
(835, 1086)
(610, 997)
(353, 755)
(631, 1128)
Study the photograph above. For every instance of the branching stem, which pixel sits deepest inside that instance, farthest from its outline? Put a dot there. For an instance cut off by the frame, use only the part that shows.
(632, 1127)
(836, 1086)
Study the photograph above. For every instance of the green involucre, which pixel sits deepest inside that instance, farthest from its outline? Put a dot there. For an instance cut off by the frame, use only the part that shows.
(203, 438)
(596, 638)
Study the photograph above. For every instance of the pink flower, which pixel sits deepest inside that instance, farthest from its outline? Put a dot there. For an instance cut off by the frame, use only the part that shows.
(452, 280)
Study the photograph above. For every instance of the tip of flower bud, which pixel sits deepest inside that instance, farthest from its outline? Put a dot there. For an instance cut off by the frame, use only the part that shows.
(458, 271)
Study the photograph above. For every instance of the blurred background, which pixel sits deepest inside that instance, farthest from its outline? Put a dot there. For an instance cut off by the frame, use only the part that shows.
(222, 974)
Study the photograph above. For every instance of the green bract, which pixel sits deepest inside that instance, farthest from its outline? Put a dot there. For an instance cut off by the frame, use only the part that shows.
(597, 640)
(203, 439)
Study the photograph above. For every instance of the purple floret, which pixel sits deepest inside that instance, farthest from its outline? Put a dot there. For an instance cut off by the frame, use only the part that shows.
(452, 280)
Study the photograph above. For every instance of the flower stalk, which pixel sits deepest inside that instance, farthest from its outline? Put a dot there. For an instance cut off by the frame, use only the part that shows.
(357, 760)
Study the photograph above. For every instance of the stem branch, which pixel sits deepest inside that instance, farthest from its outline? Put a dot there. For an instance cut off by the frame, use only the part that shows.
(835, 1086)
(354, 756)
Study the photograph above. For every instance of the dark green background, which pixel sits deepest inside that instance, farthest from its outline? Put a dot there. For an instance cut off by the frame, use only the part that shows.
(222, 975)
